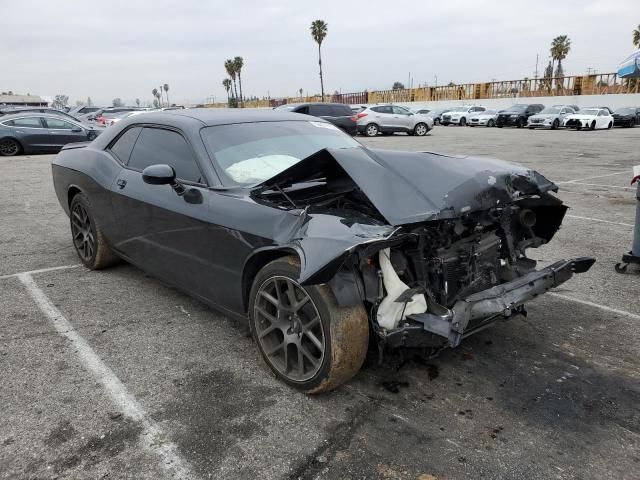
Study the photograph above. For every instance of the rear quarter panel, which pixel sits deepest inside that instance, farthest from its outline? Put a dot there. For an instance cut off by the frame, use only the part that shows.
(91, 172)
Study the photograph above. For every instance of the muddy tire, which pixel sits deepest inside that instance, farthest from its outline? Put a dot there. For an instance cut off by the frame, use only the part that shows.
(87, 237)
(304, 337)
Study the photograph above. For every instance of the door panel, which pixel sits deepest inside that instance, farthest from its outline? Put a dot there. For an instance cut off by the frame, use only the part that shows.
(32, 133)
(164, 234)
(62, 132)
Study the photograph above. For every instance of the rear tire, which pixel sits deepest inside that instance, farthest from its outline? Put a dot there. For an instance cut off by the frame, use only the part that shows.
(371, 130)
(304, 337)
(87, 237)
(9, 147)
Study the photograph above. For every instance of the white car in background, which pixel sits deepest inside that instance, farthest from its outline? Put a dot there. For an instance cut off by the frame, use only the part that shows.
(484, 119)
(592, 118)
(460, 115)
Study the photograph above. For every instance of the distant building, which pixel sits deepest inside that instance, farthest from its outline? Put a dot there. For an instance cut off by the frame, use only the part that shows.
(23, 100)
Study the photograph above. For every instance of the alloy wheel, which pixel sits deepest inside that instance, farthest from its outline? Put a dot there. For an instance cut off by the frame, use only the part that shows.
(82, 232)
(372, 130)
(421, 129)
(289, 328)
(9, 147)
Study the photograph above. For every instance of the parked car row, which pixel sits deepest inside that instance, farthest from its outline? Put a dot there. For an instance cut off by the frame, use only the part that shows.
(369, 121)
(536, 116)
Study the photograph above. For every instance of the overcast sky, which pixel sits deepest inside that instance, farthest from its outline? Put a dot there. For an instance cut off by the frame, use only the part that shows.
(124, 48)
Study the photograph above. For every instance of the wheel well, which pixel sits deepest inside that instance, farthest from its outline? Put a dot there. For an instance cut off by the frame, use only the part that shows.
(255, 264)
(73, 191)
(15, 140)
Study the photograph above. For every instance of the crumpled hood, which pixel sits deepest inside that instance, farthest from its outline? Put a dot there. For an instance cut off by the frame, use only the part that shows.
(411, 187)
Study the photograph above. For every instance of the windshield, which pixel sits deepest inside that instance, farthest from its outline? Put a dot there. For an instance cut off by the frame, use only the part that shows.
(250, 153)
(625, 111)
(517, 107)
(550, 110)
(589, 111)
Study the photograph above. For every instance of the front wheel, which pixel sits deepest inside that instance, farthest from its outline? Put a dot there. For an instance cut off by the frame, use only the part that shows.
(593, 125)
(305, 338)
(520, 123)
(9, 147)
(491, 123)
(555, 124)
(371, 130)
(420, 129)
(87, 236)
(610, 125)
(463, 122)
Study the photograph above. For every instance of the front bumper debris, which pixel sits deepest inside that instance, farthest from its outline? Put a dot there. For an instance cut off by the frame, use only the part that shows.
(477, 311)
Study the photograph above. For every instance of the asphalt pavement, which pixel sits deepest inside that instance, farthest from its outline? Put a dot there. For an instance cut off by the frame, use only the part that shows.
(112, 375)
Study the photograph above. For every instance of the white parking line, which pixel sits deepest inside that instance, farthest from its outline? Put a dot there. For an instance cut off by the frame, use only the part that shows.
(596, 305)
(629, 188)
(153, 439)
(42, 270)
(599, 221)
(593, 178)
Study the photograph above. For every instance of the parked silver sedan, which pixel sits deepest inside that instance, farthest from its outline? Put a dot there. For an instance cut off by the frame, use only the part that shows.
(485, 119)
(390, 119)
(550, 117)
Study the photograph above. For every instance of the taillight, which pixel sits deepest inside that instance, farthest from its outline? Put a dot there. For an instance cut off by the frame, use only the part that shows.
(357, 117)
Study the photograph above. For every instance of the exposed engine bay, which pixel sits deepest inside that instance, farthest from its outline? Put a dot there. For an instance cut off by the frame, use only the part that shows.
(456, 260)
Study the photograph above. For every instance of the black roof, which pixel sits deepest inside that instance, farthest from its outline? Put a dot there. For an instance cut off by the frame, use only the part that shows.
(220, 116)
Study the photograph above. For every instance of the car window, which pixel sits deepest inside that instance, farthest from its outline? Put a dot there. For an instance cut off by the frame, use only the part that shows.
(603, 113)
(30, 122)
(400, 110)
(124, 144)
(320, 110)
(59, 124)
(382, 109)
(160, 146)
(304, 110)
(340, 110)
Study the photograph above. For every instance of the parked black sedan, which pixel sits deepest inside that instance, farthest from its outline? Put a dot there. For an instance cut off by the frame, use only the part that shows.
(320, 241)
(517, 115)
(40, 133)
(340, 114)
(626, 117)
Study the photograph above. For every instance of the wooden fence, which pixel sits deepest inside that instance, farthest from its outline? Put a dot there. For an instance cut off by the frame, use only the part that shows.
(597, 84)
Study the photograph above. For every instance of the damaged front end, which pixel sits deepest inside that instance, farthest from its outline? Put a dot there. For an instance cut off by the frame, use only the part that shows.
(434, 246)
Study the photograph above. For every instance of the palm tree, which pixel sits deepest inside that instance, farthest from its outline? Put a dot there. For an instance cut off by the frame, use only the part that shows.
(226, 83)
(300, 92)
(636, 37)
(155, 96)
(319, 32)
(560, 47)
(166, 89)
(230, 67)
(137, 102)
(238, 63)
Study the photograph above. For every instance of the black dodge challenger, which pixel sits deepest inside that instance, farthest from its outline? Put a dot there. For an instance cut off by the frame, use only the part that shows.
(326, 246)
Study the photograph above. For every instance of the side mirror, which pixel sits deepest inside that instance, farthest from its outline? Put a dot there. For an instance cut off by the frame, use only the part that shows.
(160, 174)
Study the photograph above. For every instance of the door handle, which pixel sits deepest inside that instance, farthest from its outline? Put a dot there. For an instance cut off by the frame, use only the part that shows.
(121, 183)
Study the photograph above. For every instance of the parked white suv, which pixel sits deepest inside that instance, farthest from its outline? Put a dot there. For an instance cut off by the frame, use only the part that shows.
(391, 119)
(460, 115)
